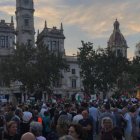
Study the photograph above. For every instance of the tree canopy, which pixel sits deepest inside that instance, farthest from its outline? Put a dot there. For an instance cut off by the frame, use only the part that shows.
(36, 68)
(102, 71)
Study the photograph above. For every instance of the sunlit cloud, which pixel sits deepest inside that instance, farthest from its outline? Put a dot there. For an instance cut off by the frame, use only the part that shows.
(8, 10)
(93, 18)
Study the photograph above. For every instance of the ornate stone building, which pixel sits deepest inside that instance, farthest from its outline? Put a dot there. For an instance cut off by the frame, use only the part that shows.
(70, 82)
(117, 42)
(7, 41)
(25, 22)
(53, 38)
(7, 37)
(137, 51)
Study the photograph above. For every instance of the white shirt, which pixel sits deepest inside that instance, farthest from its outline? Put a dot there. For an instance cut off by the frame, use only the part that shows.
(27, 116)
(77, 118)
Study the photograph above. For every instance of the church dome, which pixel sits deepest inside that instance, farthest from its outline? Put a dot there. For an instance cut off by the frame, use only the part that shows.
(117, 39)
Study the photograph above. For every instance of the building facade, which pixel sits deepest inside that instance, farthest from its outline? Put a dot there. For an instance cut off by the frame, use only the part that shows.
(53, 38)
(25, 22)
(7, 43)
(137, 51)
(7, 37)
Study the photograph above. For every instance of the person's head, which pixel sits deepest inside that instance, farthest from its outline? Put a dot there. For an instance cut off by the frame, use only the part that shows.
(26, 108)
(67, 107)
(36, 128)
(28, 136)
(85, 114)
(19, 113)
(107, 106)
(76, 131)
(66, 137)
(12, 128)
(35, 112)
(62, 125)
(107, 124)
(79, 110)
(132, 109)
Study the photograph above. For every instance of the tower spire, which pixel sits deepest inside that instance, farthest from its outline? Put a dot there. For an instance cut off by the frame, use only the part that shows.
(61, 28)
(45, 24)
(12, 22)
(116, 25)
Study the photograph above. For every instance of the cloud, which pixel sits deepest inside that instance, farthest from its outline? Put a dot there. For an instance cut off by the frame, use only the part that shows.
(9, 10)
(93, 18)
(97, 18)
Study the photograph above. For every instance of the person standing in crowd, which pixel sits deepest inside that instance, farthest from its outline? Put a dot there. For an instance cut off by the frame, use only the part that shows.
(107, 113)
(9, 112)
(11, 131)
(36, 129)
(2, 123)
(120, 121)
(132, 111)
(94, 113)
(62, 125)
(76, 131)
(128, 128)
(79, 116)
(138, 125)
(28, 136)
(18, 119)
(35, 115)
(46, 124)
(107, 129)
(43, 109)
(87, 124)
(66, 110)
(27, 118)
(54, 120)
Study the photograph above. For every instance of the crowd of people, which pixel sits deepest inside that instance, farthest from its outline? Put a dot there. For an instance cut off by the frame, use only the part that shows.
(110, 119)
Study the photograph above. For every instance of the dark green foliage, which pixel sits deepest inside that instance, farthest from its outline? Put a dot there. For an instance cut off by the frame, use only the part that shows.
(36, 68)
(100, 69)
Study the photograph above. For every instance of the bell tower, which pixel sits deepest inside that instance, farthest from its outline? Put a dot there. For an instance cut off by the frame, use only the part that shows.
(117, 42)
(25, 22)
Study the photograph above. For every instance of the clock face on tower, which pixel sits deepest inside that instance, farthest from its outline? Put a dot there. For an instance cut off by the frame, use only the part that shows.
(26, 2)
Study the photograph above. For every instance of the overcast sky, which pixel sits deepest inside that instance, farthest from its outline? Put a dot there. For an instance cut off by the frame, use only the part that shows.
(88, 20)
